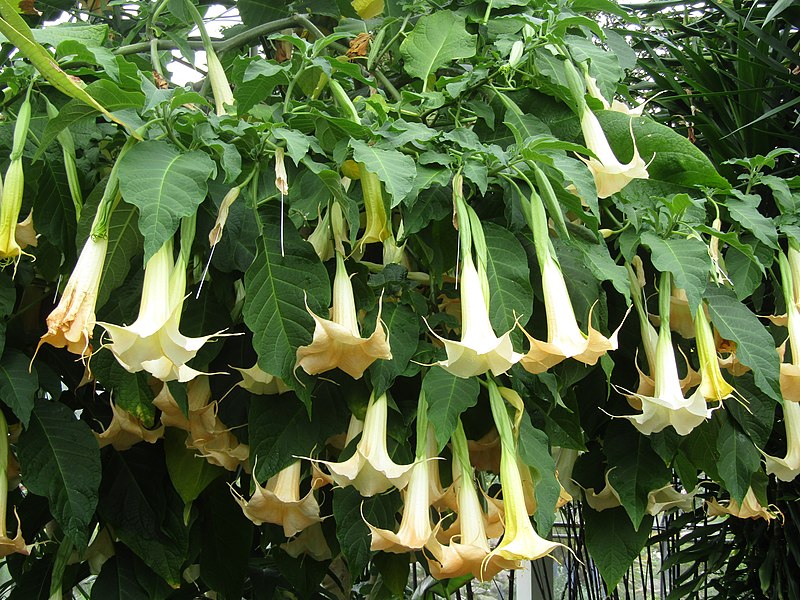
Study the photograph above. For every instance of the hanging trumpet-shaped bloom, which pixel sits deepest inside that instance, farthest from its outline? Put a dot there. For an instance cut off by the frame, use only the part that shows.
(258, 382)
(125, 430)
(337, 343)
(520, 541)
(610, 175)
(468, 551)
(751, 508)
(17, 543)
(668, 406)
(615, 105)
(788, 468)
(71, 323)
(311, 542)
(370, 470)
(713, 386)
(564, 337)
(279, 502)
(480, 350)
(415, 526)
(153, 342)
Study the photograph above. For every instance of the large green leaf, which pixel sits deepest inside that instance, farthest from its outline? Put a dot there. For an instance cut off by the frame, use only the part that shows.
(613, 542)
(448, 396)
(436, 40)
(634, 468)
(403, 329)
(688, 261)
(61, 461)
(125, 577)
(534, 449)
(755, 347)
(739, 459)
(278, 287)
(165, 185)
(279, 429)
(18, 385)
(396, 170)
(671, 157)
(744, 210)
(511, 296)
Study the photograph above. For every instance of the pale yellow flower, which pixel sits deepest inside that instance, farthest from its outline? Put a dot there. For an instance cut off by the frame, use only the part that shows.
(71, 323)
(610, 175)
(480, 350)
(17, 543)
(659, 500)
(788, 468)
(153, 342)
(370, 470)
(564, 337)
(337, 343)
(712, 384)
(751, 508)
(125, 430)
(258, 382)
(279, 502)
(310, 542)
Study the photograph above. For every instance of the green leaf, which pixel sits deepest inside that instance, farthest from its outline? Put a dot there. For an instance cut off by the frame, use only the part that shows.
(599, 262)
(739, 459)
(88, 35)
(437, 39)
(612, 541)
(18, 386)
(165, 185)
(534, 449)
(53, 207)
(688, 261)
(144, 511)
(755, 347)
(61, 461)
(227, 536)
(403, 329)
(256, 12)
(350, 511)
(634, 468)
(279, 429)
(448, 396)
(396, 170)
(125, 577)
(277, 288)
(510, 292)
(671, 157)
(744, 210)
(756, 414)
(189, 472)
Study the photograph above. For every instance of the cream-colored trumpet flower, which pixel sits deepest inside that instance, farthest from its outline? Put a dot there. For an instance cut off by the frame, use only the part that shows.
(468, 551)
(279, 502)
(337, 343)
(214, 441)
(125, 431)
(258, 382)
(71, 323)
(615, 105)
(668, 406)
(788, 467)
(564, 337)
(480, 350)
(17, 543)
(659, 500)
(790, 276)
(520, 541)
(415, 525)
(751, 508)
(310, 542)
(370, 470)
(610, 175)
(153, 342)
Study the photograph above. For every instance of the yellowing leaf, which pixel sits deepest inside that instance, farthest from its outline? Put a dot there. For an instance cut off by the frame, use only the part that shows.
(367, 9)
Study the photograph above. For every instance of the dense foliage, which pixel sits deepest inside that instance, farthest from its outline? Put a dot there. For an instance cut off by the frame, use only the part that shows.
(394, 277)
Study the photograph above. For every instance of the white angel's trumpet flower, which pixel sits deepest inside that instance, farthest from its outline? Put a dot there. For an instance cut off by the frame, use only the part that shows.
(564, 337)
(788, 467)
(17, 543)
(751, 508)
(468, 552)
(125, 431)
(279, 502)
(153, 342)
(520, 541)
(258, 382)
(371, 470)
(337, 343)
(610, 175)
(615, 105)
(668, 406)
(480, 350)
(71, 323)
